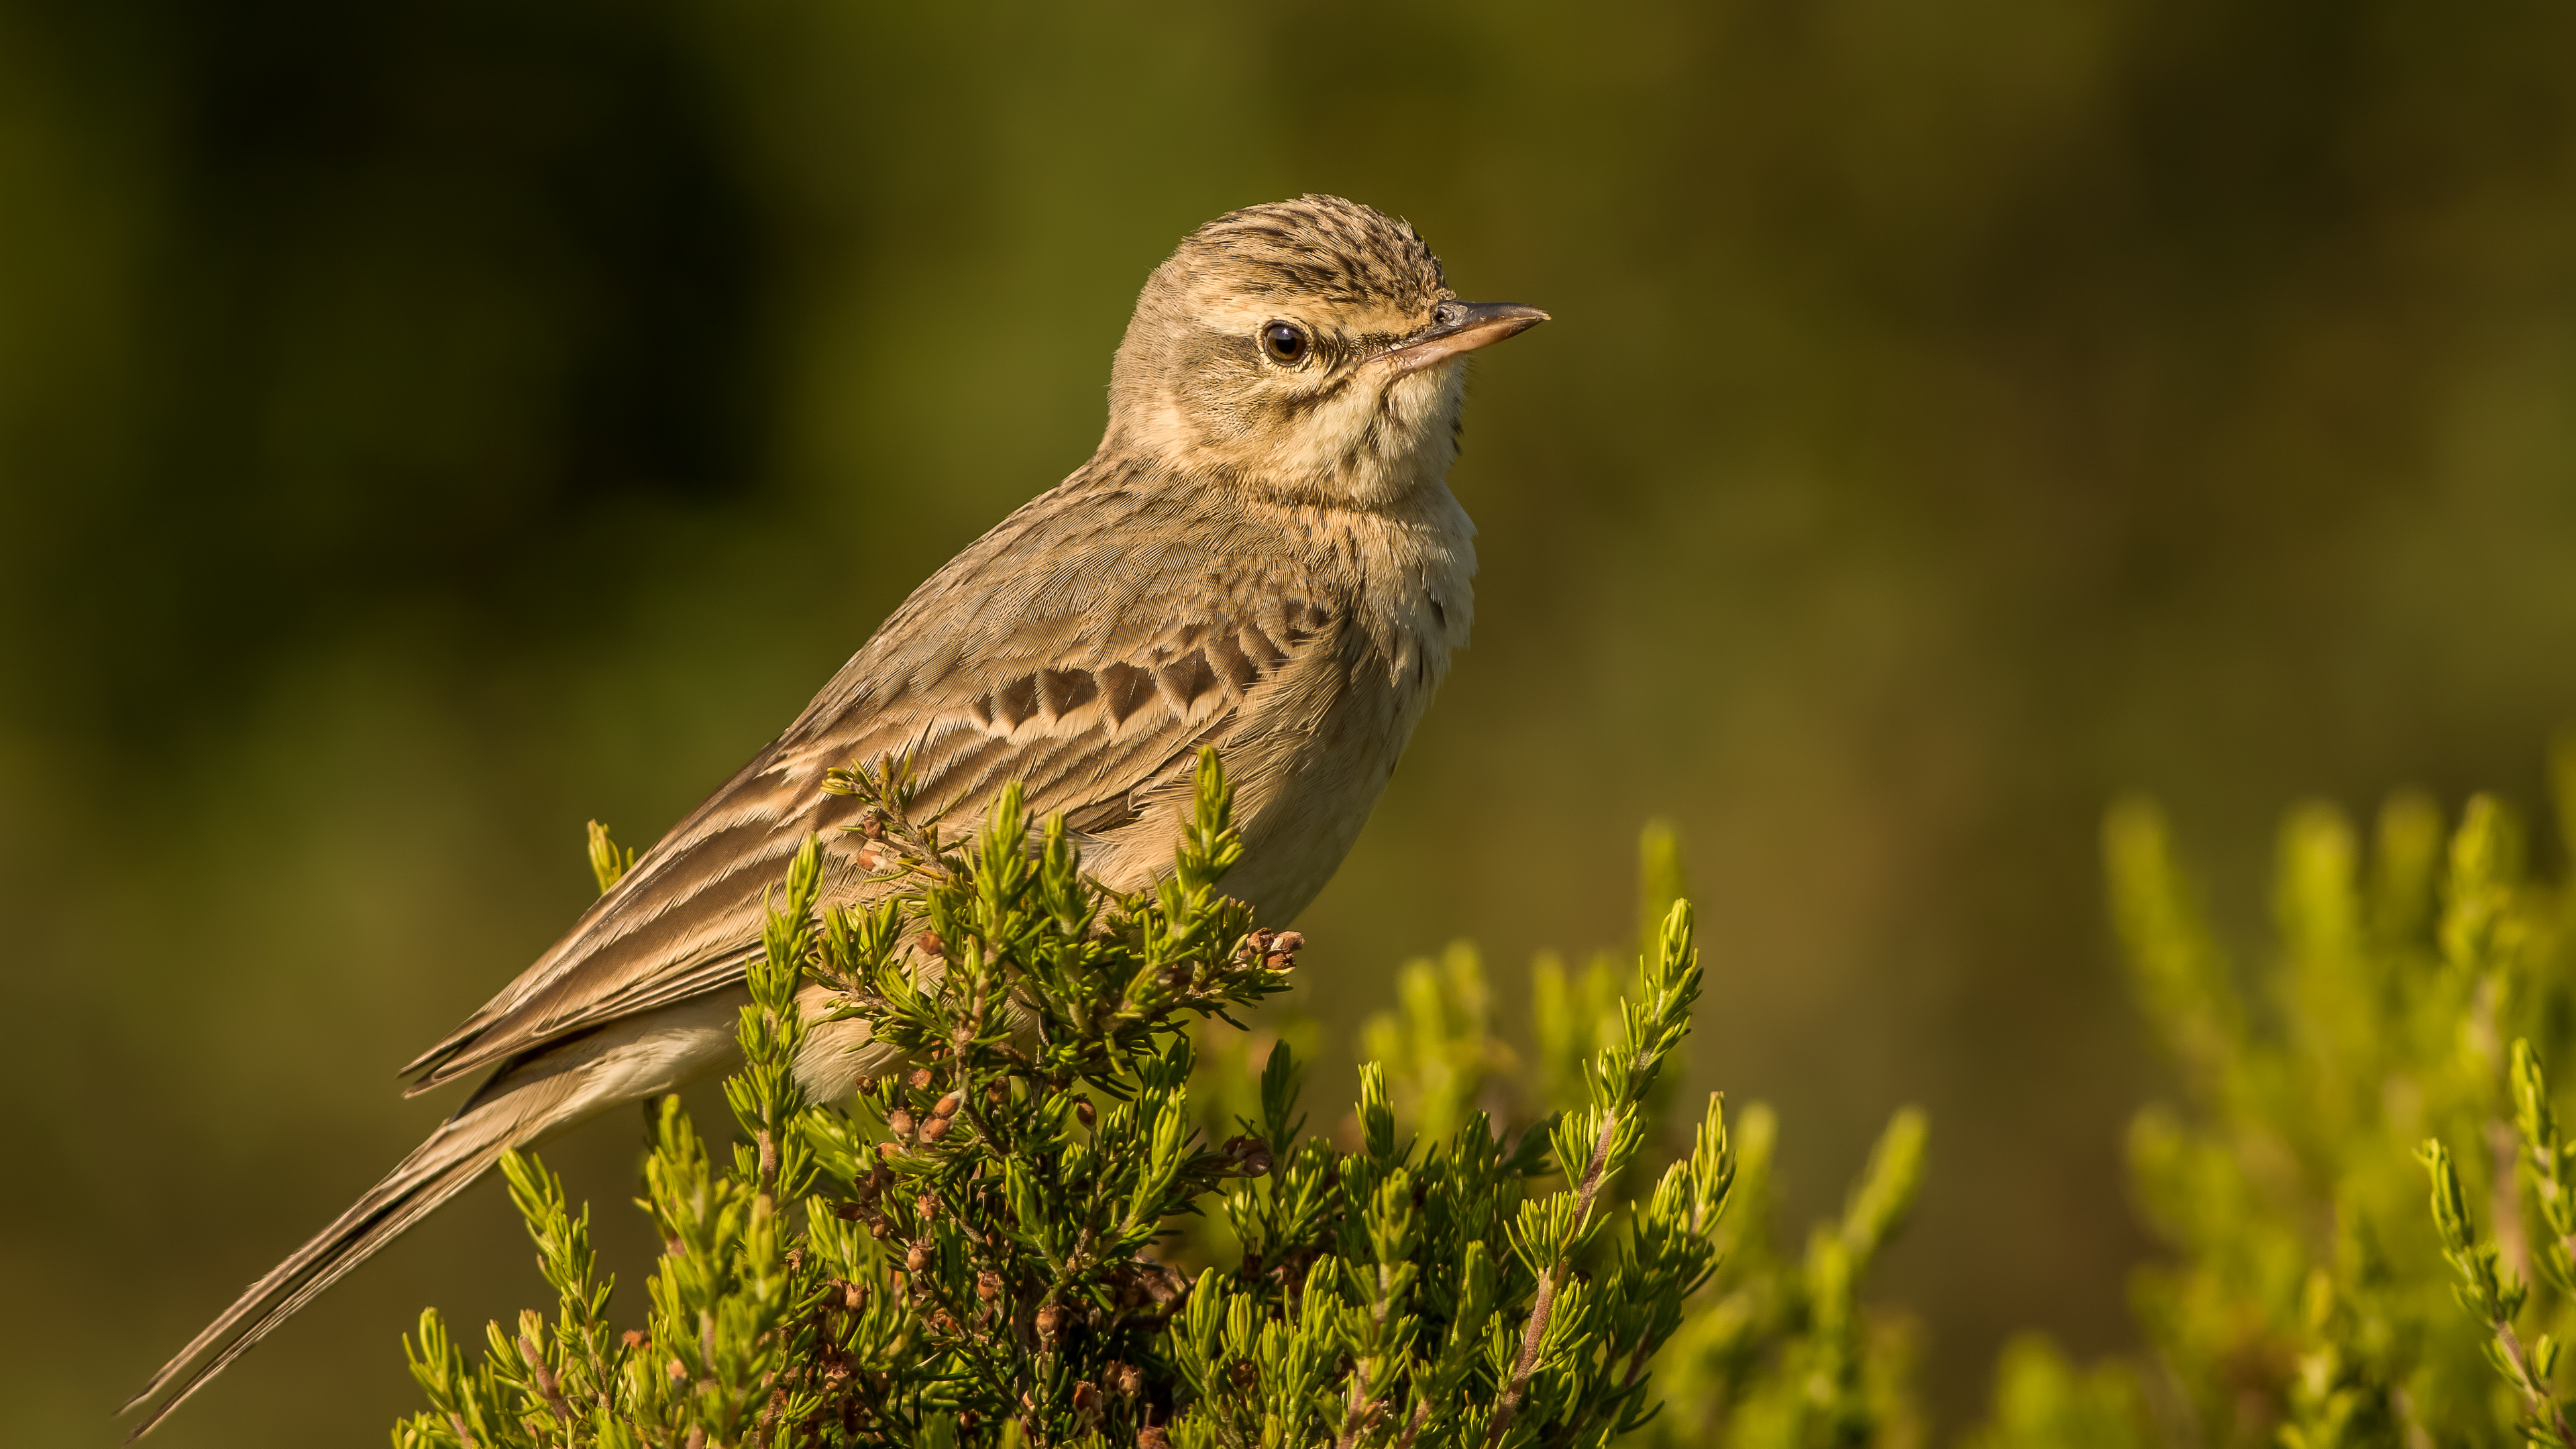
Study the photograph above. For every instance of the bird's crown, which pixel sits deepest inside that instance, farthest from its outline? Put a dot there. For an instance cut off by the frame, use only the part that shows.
(1323, 248)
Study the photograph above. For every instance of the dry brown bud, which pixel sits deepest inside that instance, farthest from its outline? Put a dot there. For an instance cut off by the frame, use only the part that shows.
(854, 1296)
(947, 1106)
(988, 1285)
(1127, 1378)
(929, 944)
(899, 1122)
(927, 1205)
(1164, 1284)
(1251, 1155)
(920, 1079)
(917, 1257)
(886, 1151)
(632, 1338)
(1153, 1437)
(1051, 1322)
(1086, 1398)
(1083, 1112)
(676, 1370)
(934, 1129)
(997, 1094)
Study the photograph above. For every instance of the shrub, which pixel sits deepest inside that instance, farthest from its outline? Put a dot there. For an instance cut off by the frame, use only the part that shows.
(2401, 1021)
(1087, 1210)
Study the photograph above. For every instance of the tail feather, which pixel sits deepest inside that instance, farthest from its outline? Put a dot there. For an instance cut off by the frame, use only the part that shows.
(454, 1157)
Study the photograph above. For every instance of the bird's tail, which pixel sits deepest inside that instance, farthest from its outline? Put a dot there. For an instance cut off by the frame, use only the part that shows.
(460, 1151)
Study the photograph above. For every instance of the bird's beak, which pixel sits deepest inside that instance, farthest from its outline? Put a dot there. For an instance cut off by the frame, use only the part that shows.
(1459, 327)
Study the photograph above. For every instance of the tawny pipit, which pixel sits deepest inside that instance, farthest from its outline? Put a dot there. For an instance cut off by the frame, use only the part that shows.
(1262, 556)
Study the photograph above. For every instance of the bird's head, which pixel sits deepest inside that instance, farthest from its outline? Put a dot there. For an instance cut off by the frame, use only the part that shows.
(1307, 350)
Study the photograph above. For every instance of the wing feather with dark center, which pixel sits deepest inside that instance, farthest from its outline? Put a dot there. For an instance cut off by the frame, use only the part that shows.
(1086, 647)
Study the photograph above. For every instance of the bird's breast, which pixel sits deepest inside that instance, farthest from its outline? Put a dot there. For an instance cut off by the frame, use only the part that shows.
(1312, 750)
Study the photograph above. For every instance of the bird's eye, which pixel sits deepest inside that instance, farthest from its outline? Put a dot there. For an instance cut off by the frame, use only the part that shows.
(1285, 342)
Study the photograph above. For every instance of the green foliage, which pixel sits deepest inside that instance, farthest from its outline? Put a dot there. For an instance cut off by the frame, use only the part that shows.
(1772, 1352)
(2405, 1015)
(1778, 1354)
(985, 1252)
(609, 863)
(2042, 1401)
(1462, 1318)
(992, 1251)
(977, 1261)
(1443, 1035)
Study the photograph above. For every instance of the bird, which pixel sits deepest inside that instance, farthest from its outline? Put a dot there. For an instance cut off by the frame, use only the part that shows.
(1262, 556)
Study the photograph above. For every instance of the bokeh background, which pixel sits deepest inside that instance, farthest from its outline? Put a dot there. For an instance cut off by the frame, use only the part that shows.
(427, 425)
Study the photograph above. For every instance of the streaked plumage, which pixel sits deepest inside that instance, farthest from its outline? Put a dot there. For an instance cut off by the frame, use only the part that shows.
(1262, 556)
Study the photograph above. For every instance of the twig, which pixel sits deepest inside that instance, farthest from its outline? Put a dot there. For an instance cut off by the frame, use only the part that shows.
(1413, 1426)
(544, 1378)
(1365, 1411)
(1545, 1303)
(2504, 1201)
(2536, 1396)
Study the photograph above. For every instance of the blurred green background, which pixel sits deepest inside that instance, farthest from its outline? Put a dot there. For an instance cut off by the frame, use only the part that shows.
(425, 426)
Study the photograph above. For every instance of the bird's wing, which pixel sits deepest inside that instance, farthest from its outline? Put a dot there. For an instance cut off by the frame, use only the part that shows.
(1086, 648)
